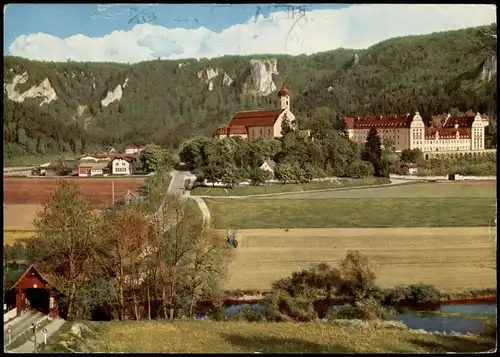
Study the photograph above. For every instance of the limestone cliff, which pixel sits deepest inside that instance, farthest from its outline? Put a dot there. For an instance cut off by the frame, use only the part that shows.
(262, 75)
(489, 69)
(42, 91)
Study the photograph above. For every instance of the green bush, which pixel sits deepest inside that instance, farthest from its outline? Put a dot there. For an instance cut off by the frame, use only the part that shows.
(416, 294)
(249, 314)
(368, 309)
(217, 314)
(282, 307)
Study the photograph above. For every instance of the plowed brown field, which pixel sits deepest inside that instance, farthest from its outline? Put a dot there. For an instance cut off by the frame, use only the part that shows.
(34, 191)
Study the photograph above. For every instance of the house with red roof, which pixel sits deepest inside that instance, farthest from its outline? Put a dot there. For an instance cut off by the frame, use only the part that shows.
(132, 149)
(444, 134)
(259, 124)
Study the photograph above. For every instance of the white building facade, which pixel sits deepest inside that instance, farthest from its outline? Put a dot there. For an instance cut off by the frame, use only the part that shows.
(446, 133)
(120, 166)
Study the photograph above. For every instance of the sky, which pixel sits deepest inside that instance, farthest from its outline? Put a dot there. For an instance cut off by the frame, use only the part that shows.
(131, 33)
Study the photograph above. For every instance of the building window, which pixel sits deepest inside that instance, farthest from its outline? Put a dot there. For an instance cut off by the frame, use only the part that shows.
(269, 131)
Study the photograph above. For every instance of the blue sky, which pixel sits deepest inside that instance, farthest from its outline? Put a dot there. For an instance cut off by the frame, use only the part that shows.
(130, 33)
(86, 19)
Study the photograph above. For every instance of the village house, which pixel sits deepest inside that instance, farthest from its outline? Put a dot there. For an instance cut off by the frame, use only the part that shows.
(259, 124)
(89, 168)
(121, 165)
(60, 168)
(131, 149)
(409, 169)
(445, 133)
(269, 165)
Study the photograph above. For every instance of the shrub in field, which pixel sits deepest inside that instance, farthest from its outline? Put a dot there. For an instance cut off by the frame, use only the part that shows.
(248, 313)
(397, 294)
(319, 280)
(416, 294)
(421, 293)
(357, 278)
(368, 309)
(283, 307)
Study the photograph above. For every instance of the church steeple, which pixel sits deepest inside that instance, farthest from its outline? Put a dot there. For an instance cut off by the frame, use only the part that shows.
(284, 95)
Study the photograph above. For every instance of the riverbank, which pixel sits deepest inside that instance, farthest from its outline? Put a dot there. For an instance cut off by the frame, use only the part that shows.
(245, 337)
(259, 298)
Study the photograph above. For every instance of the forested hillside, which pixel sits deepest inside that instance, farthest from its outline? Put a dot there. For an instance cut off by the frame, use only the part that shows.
(167, 101)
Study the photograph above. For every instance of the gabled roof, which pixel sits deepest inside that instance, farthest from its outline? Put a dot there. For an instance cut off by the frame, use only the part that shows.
(34, 270)
(123, 157)
(256, 118)
(271, 164)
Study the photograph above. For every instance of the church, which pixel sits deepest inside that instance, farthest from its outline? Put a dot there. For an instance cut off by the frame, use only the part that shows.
(259, 124)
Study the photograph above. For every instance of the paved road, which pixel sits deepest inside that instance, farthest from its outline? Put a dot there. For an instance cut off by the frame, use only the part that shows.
(29, 346)
(176, 186)
(20, 324)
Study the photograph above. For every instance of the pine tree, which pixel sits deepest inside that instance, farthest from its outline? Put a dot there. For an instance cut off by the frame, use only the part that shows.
(373, 150)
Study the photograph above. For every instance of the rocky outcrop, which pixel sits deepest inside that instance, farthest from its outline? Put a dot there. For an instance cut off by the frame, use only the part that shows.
(114, 95)
(356, 59)
(489, 69)
(226, 80)
(262, 75)
(42, 91)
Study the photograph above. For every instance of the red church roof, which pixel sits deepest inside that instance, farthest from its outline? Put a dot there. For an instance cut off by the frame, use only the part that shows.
(256, 118)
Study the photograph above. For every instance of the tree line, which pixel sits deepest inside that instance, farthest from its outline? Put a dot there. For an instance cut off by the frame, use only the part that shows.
(318, 148)
(165, 102)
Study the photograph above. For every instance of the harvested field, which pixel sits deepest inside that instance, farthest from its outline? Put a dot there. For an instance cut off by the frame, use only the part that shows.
(19, 217)
(36, 190)
(453, 259)
(344, 212)
(430, 190)
(248, 337)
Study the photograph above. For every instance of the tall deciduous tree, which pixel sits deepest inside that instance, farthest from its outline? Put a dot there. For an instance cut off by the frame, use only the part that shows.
(125, 238)
(66, 242)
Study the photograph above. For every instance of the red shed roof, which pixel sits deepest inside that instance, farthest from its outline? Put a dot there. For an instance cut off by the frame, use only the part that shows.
(256, 118)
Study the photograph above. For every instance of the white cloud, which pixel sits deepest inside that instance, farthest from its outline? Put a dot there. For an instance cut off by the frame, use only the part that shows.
(358, 26)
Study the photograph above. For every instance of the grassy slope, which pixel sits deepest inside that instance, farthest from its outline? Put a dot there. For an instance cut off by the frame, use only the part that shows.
(256, 190)
(453, 259)
(419, 205)
(240, 337)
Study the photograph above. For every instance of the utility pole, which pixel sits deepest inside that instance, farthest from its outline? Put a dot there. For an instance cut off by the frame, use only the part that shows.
(113, 190)
(34, 333)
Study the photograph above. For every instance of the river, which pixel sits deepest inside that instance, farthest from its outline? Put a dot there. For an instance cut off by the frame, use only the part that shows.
(436, 321)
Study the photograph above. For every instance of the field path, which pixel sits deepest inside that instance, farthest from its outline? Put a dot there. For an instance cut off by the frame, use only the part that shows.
(203, 208)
